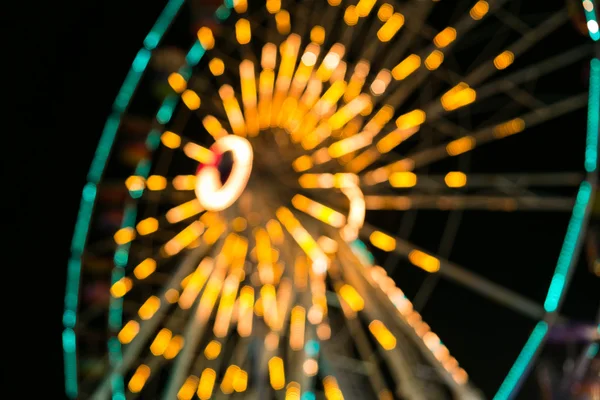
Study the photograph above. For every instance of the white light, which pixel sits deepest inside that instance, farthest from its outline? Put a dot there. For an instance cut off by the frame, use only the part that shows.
(210, 193)
(320, 265)
(309, 59)
(592, 26)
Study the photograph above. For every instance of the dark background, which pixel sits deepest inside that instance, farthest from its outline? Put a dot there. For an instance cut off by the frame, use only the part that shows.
(69, 63)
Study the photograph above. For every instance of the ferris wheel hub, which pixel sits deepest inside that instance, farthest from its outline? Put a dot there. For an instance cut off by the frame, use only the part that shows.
(214, 195)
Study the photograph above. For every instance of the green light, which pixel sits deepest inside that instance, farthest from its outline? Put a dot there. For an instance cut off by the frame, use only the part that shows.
(165, 113)
(568, 249)
(195, 54)
(162, 24)
(522, 362)
(95, 173)
(153, 140)
(591, 16)
(223, 13)
(593, 125)
(102, 151)
(69, 318)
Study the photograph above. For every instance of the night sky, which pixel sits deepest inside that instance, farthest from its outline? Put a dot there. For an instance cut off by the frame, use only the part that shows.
(79, 53)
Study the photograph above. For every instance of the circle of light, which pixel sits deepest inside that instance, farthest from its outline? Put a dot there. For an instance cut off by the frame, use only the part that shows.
(211, 194)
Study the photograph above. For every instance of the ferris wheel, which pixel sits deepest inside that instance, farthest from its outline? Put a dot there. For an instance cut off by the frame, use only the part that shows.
(275, 210)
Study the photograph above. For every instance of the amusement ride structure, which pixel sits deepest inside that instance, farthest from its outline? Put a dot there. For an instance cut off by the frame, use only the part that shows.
(252, 205)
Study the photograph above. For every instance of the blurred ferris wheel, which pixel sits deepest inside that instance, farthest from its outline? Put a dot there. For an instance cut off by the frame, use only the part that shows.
(268, 213)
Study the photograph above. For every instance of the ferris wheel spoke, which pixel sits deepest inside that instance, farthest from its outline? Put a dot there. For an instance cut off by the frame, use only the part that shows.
(148, 327)
(467, 143)
(388, 314)
(204, 305)
(461, 275)
(507, 183)
(508, 85)
(471, 202)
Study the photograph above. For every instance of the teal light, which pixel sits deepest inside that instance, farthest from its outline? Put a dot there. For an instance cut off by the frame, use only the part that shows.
(308, 396)
(522, 362)
(590, 15)
(153, 140)
(195, 54)
(162, 24)
(311, 348)
(86, 206)
(223, 13)
(592, 350)
(165, 113)
(569, 248)
(593, 125)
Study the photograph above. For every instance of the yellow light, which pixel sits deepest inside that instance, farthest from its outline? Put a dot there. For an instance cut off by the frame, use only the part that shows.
(177, 82)
(364, 7)
(276, 373)
(240, 381)
(206, 38)
(317, 34)
(504, 59)
(455, 179)
(273, 6)
(434, 60)
(134, 183)
(390, 27)
(212, 350)
(479, 10)
(382, 241)
(216, 66)
(149, 308)
(445, 37)
(243, 32)
(172, 295)
(139, 378)
(385, 338)
(385, 12)
(282, 19)
(424, 261)
(184, 182)
(206, 385)
(129, 332)
(183, 239)
(509, 128)
(459, 96)
(351, 15)
(411, 119)
(191, 99)
(240, 6)
(156, 182)
(121, 287)
(403, 179)
(302, 163)
(147, 226)
(174, 347)
(199, 153)
(124, 235)
(161, 342)
(406, 67)
(351, 296)
(170, 139)
(183, 211)
(145, 268)
(460, 146)
(239, 224)
(213, 127)
(187, 391)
